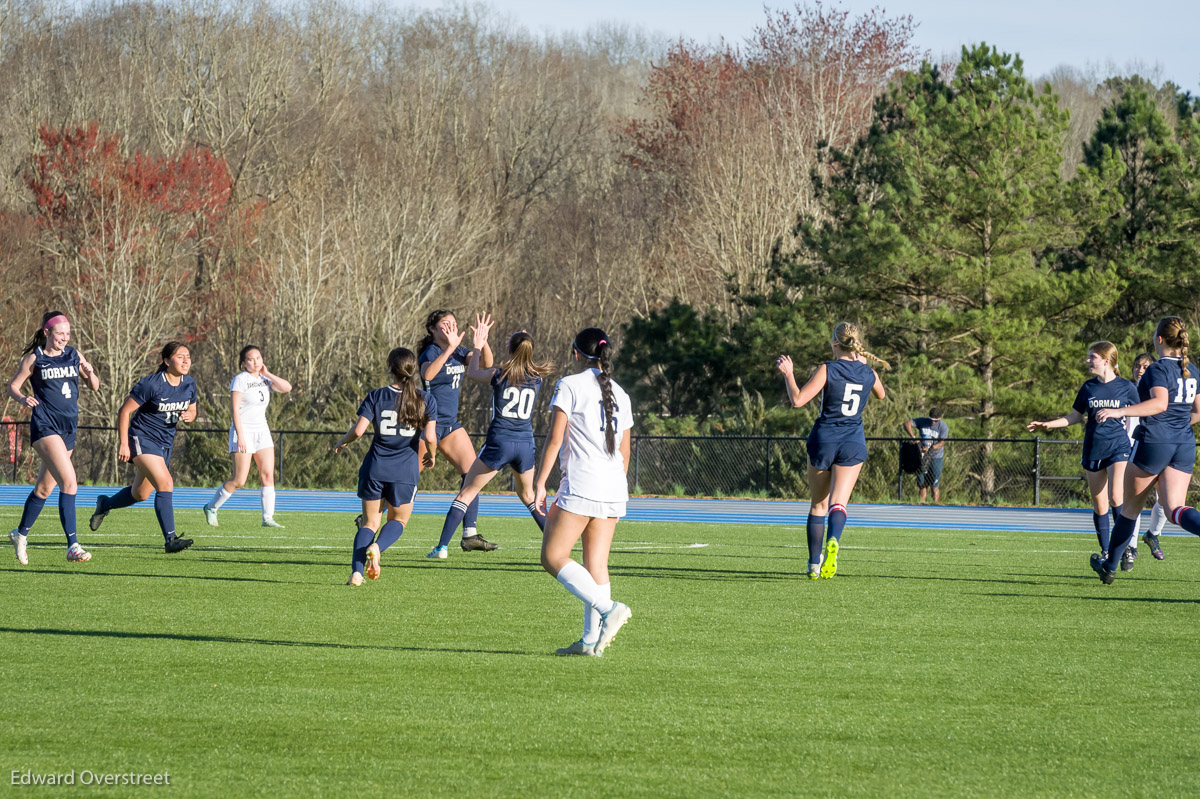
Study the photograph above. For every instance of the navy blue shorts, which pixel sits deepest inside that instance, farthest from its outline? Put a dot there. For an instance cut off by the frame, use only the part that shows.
(518, 454)
(396, 494)
(931, 473)
(1101, 464)
(446, 428)
(65, 430)
(144, 445)
(824, 454)
(1153, 458)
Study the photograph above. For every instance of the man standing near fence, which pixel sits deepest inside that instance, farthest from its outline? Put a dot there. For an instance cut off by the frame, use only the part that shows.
(933, 433)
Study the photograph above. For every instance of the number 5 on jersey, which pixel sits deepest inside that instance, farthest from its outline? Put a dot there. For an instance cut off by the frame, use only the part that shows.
(852, 399)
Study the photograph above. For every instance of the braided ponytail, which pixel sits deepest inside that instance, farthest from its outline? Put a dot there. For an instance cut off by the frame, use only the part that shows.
(1173, 332)
(593, 345)
(850, 339)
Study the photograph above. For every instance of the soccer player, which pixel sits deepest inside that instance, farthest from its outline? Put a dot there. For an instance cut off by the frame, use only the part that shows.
(249, 436)
(1165, 449)
(400, 414)
(933, 432)
(515, 385)
(53, 370)
(837, 445)
(146, 427)
(443, 363)
(1106, 446)
(590, 416)
(1158, 516)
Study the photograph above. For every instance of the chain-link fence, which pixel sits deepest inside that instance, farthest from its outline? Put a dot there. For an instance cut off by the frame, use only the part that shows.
(1000, 471)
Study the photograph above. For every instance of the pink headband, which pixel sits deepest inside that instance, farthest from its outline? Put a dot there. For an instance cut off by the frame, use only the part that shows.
(52, 321)
(602, 341)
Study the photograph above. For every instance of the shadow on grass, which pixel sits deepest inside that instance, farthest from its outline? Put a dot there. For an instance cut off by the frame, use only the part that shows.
(84, 571)
(1152, 599)
(925, 577)
(227, 639)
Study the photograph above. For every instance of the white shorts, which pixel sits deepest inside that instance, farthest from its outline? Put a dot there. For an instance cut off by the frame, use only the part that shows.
(255, 440)
(590, 507)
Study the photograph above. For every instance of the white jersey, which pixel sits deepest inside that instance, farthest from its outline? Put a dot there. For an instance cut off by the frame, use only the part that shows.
(1131, 424)
(588, 470)
(256, 395)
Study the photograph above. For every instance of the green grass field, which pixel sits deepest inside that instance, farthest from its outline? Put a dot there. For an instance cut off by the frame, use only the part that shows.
(934, 664)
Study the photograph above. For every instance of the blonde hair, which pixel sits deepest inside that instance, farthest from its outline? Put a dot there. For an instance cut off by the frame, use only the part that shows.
(847, 336)
(1173, 331)
(520, 367)
(1106, 350)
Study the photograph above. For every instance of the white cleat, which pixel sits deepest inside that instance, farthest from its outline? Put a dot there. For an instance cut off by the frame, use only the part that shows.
(356, 579)
(78, 554)
(210, 516)
(19, 543)
(270, 522)
(438, 553)
(611, 623)
(579, 648)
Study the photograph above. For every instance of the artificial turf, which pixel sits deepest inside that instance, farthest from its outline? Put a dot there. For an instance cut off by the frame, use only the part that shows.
(935, 664)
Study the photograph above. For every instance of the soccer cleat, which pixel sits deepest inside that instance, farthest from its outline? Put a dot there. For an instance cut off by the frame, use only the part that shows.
(176, 544)
(270, 522)
(1155, 549)
(470, 543)
(210, 516)
(611, 623)
(1097, 564)
(814, 571)
(98, 514)
(19, 543)
(579, 648)
(1127, 559)
(358, 520)
(373, 562)
(829, 564)
(78, 554)
(355, 579)
(438, 553)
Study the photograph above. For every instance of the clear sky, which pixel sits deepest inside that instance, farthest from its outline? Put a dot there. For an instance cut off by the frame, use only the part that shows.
(1046, 33)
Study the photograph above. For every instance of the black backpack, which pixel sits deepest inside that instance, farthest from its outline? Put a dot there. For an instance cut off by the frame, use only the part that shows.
(910, 457)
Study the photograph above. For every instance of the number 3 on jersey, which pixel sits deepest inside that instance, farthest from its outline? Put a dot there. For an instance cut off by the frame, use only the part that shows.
(518, 404)
(852, 399)
(388, 420)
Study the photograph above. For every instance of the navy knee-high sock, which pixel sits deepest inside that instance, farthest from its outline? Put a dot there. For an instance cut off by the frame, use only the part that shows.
(472, 514)
(121, 499)
(1100, 522)
(29, 514)
(837, 521)
(164, 509)
(1122, 533)
(389, 534)
(1188, 518)
(537, 517)
(362, 540)
(66, 515)
(815, 527)
(454, 517)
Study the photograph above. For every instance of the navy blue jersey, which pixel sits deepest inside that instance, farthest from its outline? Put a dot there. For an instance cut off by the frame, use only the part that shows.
(392, 457)
(847, 387)
(160, 406)
(512, 409)
(446, 384)
(1102, 438)
(55, 383)
(1174, 425)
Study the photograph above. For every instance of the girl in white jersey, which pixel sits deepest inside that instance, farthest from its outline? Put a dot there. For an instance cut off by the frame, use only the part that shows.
(249, 436)
(591, 417)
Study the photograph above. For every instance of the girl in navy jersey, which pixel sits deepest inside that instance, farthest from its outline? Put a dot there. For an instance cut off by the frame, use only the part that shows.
(1158, 516)
(53, 370)
(837, 445)
(515, 385)
(400, 414)
(591, 419)
(1165, 445)
(1106, 446)
(249, 436)
(146, 427)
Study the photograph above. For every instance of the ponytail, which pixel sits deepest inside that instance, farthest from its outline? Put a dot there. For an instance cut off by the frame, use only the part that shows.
(850, 339)
(1173, 332)
(39, 336)
(410, 410)
(1108, 351)
(520, 367)
(593, 345)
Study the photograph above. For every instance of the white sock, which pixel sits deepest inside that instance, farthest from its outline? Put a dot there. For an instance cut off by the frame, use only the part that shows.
(1137, 526)
(219, 498)
(1158, 520)
(579, 582)
(591, 616)
(268, 501)
(469, 531)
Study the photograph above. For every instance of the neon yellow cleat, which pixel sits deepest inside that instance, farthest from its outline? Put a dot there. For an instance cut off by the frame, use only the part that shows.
(829, 565)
